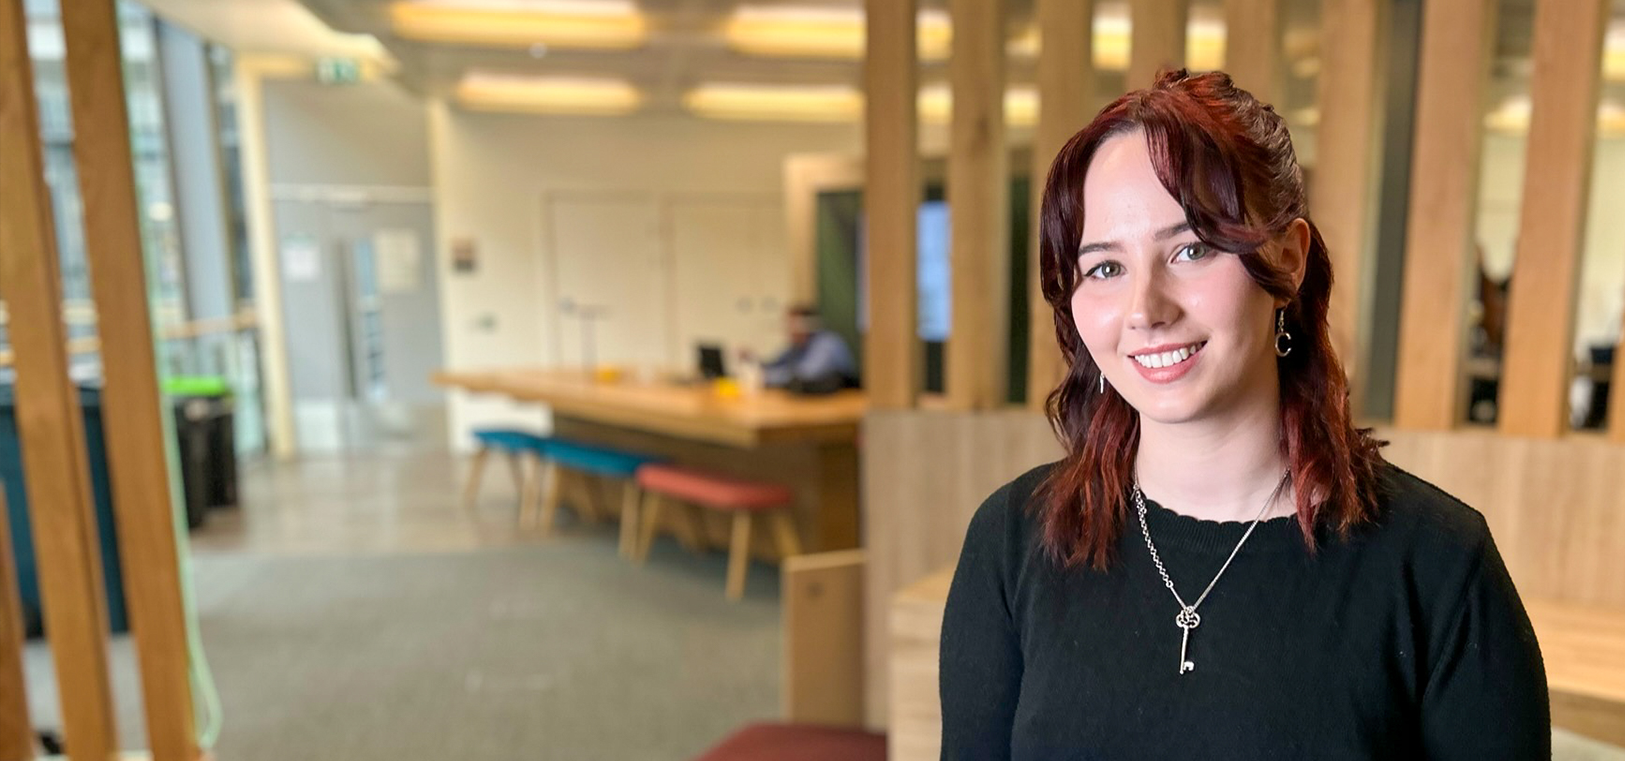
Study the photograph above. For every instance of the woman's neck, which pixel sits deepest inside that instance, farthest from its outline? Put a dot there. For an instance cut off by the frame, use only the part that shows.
(1219, 470)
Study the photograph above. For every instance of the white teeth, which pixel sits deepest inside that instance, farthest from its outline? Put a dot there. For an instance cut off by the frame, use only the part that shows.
(1167, 358)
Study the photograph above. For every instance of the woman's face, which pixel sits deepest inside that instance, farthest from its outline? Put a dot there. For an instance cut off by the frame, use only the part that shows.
(1179, 329)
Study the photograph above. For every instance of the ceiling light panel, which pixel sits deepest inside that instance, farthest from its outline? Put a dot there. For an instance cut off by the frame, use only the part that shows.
(555, 95)
(609, 25)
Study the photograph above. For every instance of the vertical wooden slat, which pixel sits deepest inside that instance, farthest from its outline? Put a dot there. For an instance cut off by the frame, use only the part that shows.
(1551, 233)
(1616, 413)
(49, 420)
(131, 401)
(1065, 92)
(1457, 39)
(1343, 187)
(1252, 46)
(891, 197)
(16, 731)
(978, 205)
(1156, 39)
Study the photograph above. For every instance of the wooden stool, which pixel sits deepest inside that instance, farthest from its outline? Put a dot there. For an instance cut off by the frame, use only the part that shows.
(589, 459)
(798, 742)
(510, 441)
(718, 492)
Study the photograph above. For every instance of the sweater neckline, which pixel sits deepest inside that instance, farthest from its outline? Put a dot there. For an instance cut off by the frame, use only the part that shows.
(1171, 529)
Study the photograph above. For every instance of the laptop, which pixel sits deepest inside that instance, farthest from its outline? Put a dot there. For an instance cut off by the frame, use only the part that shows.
(711, 361)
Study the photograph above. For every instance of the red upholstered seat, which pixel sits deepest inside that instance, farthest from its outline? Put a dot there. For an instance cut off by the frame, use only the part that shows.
(710, 489)
(798, 742)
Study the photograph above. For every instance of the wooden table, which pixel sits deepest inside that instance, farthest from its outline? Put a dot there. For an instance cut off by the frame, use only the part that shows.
(1583, 646)
(809, 443)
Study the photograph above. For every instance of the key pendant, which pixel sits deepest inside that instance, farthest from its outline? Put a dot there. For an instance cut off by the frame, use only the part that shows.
(1186, 620)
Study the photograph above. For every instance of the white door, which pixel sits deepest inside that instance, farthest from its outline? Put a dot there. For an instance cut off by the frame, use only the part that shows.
(610, 280)
(731, 275)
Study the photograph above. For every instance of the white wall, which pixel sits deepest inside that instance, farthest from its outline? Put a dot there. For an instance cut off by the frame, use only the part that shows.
(1602, 270)
(492, 173)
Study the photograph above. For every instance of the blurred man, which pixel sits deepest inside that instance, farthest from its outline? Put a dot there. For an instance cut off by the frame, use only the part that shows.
(818, 360)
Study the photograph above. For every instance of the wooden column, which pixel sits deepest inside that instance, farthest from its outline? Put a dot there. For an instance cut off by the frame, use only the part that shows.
(131, 409)
(16, 730)
(1457, 40)
(1252, 46)
(1616, 413)
(1342, 194)
(891, 198)
(977, 374)
(1156, 39)
(49, 421)
(1065, 95)
(1535, 368)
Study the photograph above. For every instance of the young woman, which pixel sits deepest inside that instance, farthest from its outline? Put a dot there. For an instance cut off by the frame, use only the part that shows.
(1223, 566)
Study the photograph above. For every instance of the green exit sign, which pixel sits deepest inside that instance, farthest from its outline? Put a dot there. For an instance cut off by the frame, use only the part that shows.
(338, 71)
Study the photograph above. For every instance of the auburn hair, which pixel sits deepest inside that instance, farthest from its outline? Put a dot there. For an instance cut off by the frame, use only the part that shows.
(1228, 160)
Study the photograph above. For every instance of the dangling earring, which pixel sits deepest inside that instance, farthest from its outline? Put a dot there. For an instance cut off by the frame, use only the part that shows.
(1102, 383)
(1283, 339)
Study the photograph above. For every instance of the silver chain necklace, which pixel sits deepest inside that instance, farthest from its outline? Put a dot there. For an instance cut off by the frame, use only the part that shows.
(1188, 618)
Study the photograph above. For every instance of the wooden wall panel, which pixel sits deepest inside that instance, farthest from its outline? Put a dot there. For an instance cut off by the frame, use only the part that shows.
(1534, 393)
(1457, 38)
(891, 197)
(49, 419)
(1555, 508)
(978, 204)
(1065, 105)
(1252, 47)
(924, 475)
(823, 638)
(1156, 39)
(1616, 414)
(1342, 194)
(915, 636)
(131, 412)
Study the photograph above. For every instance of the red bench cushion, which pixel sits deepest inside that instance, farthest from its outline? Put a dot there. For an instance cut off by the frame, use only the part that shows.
(711, 489)
(798, 742)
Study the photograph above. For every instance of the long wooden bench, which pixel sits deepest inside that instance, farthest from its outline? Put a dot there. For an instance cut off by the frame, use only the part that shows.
(1584, 649)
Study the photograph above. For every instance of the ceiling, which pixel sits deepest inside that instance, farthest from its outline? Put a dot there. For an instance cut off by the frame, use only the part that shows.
(685, 49)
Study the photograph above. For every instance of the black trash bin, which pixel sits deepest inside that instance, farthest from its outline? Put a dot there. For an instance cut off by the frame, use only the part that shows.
(22, 535)
(206, 443)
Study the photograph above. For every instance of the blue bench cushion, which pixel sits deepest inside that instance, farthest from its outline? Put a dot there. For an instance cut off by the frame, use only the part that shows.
(596, 459)
(510, 439)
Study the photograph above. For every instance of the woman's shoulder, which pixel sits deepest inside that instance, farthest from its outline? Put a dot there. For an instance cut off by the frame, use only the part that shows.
(1426, 514)
(1009, 508)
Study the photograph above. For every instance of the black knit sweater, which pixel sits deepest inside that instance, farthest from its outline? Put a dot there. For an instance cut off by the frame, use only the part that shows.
(1406, 640)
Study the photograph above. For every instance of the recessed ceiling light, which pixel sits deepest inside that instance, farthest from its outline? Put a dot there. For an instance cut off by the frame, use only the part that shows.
(610, 24)
(775, 103)
(484, 91)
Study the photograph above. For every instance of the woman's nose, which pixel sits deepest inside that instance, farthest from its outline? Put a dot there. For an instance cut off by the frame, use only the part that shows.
(1151, 306)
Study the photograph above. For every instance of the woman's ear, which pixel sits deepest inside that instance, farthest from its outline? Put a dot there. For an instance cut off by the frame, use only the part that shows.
(1294, 251)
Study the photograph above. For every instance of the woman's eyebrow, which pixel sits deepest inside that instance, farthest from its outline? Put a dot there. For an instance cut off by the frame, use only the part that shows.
(1111, 245)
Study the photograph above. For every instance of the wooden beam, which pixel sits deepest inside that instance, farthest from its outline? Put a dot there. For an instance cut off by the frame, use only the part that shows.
(131, 401)
(1343, 190)
(1535, 371)
(1252, 47)
(49, 421)
(891, 197)
(16, 730)
(1616, 413)
(1065, 94)
(1156, 39)
(976, 375)
(1457, 41)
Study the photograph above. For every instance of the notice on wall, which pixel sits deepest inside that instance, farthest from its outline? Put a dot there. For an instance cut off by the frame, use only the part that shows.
(464, 256)
(301, 259)
(400, 260)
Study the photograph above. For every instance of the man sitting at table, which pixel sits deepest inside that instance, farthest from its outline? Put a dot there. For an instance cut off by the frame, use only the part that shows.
(818, 360)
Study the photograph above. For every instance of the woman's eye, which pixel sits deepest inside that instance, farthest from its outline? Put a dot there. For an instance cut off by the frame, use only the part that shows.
(1104, 270)
(1193, 252)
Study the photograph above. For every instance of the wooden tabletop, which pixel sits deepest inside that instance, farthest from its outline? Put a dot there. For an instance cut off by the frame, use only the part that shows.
(696, 411)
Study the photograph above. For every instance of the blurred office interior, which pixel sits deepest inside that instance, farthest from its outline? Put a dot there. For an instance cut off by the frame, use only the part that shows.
(497, 379)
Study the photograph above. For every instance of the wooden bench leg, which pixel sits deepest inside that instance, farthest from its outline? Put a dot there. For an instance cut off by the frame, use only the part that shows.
(516, 464)
(651, 523)
(784, 533)
(550, 497)
(629, 519)
(476, 469)
(738, 555)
